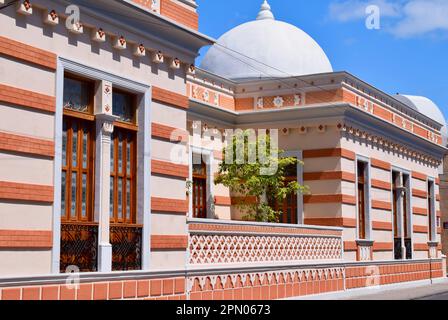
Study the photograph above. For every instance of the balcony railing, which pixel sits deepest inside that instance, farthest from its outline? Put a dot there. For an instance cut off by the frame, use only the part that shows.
(79, 247)
(213, 242)
(126, 247)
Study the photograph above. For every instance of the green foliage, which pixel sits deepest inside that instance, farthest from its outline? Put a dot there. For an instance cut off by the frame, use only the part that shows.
(244, 178)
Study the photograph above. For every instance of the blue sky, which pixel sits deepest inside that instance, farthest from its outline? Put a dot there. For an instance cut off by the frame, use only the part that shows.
(408, 54)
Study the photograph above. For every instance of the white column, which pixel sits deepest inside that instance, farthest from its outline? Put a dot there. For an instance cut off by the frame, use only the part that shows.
(104, 130)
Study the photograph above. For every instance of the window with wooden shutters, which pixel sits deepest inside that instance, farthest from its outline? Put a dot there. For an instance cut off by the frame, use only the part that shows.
(288, 206)
(200, 190)
(125, 230)
(79, 232)
(361, 189)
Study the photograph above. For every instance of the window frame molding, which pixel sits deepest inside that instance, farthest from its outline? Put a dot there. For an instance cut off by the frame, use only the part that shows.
(209, 159)
(409, 210)
(368, 197)
(432, 229)
(144, 119)
(300, 206)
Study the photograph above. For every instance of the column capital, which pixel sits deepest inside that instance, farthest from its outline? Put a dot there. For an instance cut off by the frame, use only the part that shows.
(107, 122)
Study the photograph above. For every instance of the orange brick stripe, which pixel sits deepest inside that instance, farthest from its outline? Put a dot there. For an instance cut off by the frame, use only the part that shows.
(150, 289)
(326, 153)
(419, 193)
(383, 246)
(169, 242)
(329, 175)
(380, 225)
(223, 201)
(437, 181)
(170, 98)
(21, 144)
(420, 211)
(420, 229)
(169, 169)
(26, 192)
(332, 222)
(330, 198)
(218, 155)
(421, 247)
(26, 98)
(169, 205)
(419, 176)
(173, 11)
(168, 133)
(350, 246)
(383, 185)
(381, 205)
(243, 200)
(21, 239)
(379, 164)
(197, 227)
(27, 53)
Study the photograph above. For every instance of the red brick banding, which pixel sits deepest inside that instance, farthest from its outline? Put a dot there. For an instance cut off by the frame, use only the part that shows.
(223, 201)
(172, 134)
(383, 246)
(382, 185)
(169, 242)
(178, 13)
(169, 169)
(420, 211)
(25, 239)
(380, 225)
(419, 193)
(420, 229)
(169, 98)
(332, 222)
(27, 99)
(169, 205)
(24, 52)
(381, 205)
(421, 247)
(419, 176)
(379, 164)
(326, 153)
(26, 192)
(329, 175)
(209, 227)
(28, 145)
(329, 198)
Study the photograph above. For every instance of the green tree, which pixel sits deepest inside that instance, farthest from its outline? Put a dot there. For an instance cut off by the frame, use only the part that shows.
(251, 156)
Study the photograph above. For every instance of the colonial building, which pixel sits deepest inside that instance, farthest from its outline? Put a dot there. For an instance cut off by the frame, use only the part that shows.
(110, 139)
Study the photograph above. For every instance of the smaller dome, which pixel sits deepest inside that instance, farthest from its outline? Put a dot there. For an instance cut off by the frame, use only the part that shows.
(428, 108)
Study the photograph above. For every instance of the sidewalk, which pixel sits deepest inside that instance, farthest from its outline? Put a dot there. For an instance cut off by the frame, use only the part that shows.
(406, 291)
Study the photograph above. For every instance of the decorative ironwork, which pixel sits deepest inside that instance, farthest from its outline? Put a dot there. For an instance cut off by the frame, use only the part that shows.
(126, 247)
(408, 245)
(79, 247)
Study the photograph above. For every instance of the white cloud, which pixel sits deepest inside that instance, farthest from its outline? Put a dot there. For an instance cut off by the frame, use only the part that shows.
(408, 17)
(422, 17)
(349, 10)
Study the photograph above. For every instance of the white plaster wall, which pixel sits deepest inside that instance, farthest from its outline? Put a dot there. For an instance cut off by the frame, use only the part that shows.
(163, 187)
(21, 75)
(169, 224)
(165, 260)
(22, 121)
(24, 262)
(25, 216)
(22, 169)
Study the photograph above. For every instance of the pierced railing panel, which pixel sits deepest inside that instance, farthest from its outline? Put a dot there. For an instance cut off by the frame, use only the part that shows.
(126, 247)
(79, 247)
(261, 245)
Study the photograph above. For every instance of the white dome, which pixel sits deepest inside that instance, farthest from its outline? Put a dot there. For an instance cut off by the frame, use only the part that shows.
(428, 108)
(265, 48)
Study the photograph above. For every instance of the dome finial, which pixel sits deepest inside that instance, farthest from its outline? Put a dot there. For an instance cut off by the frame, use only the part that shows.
(265, 12)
